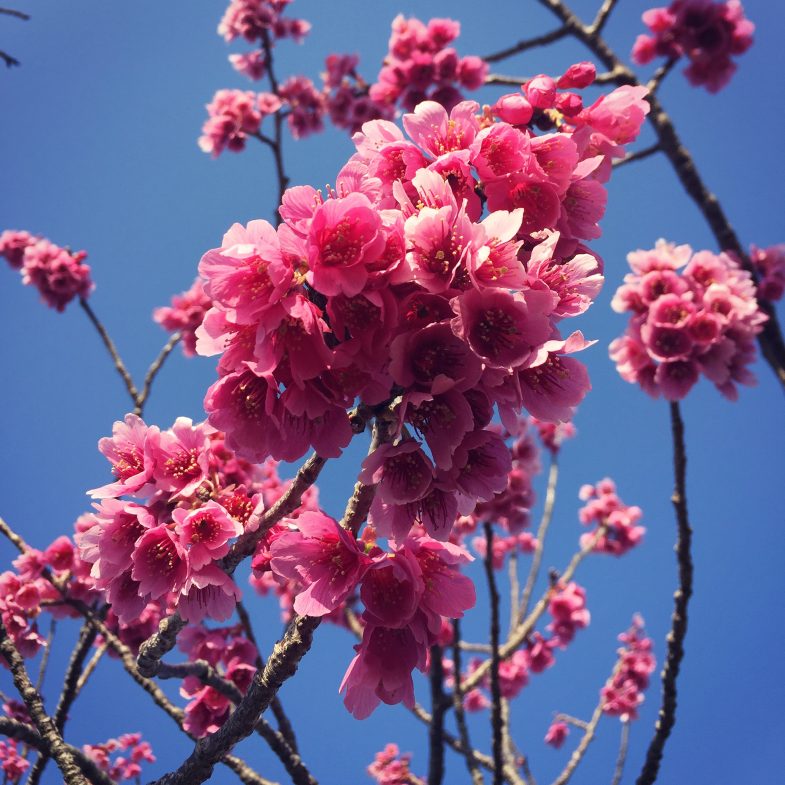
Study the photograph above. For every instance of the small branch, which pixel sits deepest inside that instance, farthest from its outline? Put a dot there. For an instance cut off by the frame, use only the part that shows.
(8, 59)
(160, 643)
(638, 155)
(288, 503)
(602, 16)
(512, 574)
(542, 531)
(438, 709)
(13, 12)
(660, 74)
(59, 750)
(32, 738)
(583, 745)
(624, 744)
(503, 79)
(525, 628)
(113, 353)
(45, 656)
(670, 672)
(496, 697)
(529, 43)
(15, 539)
(281, 665)
(90, 667)
(153, 370)
(460, 715)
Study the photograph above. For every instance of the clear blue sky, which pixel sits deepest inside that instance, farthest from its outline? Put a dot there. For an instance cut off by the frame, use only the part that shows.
(98, 145)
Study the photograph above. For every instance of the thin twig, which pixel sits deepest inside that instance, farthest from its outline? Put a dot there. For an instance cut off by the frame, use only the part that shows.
(72, 774)
(90, 667)
(638, 155)
(660, 74)
(113, 353)
(504, 79)
(495, 633)
(13, 12)
(460, 715)
(602, 16)
(8, 59)
(529, 43)
(670, 672)
(512, 574)
(525, 628)
(45, 656)
(542, 531)
(277, 146)
(153, 370)
(624, 744)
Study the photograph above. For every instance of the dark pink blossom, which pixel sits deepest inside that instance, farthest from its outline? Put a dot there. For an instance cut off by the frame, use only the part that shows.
(185, 315)
(57, 273)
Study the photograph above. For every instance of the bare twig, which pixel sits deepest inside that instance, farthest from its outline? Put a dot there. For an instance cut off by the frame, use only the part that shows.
(153, 370)
(15, 539)
(13, 12)
(113, 353)
(529, 43)
(660, 74)
(495, 633)
(45, 656)
(512, 574)
(504, 79)
(160, 643)
(8, 59)
(624, 744)
(602, 16)
(670, 672)
(90, 667)
(542, 531)
(638, 155)
(583, 745)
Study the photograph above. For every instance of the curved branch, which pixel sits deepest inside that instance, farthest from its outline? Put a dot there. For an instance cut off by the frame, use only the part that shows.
(670, 672)
(153, 370)
(528, 43)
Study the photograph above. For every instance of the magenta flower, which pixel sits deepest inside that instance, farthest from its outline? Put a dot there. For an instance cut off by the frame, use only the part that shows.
(205, 532)
(232, 116)
(403, 472)
(392, 589)
(185, 315)
(13, 244)
(322, 557)
(181, 459)
(160, 563)
(557, 734)
(208, 593)
(58, 274)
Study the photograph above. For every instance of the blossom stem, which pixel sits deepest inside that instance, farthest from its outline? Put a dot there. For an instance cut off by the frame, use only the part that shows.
(670, 672)
(528, 43)
(624, 744)
(438, 709)
(542, 531)
(638, 155)
(153, 370)
(13, 12)
(112, 349)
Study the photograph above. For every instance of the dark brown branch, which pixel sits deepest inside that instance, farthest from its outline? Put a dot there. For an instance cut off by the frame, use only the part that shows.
(438, 709)
(9, 61)
(15, 539)
(529, 43)
(497, 732)
(28, 735)
(68, 694)
(113, 353)
(670, 672)
(59, 750)
(513, 81)
(770, 339)
(460, 716)
(153, 370)
(160, 643)
(281, 665)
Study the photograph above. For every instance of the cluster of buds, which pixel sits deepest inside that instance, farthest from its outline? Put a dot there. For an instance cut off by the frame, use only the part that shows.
(184, 315)
(59, 274)
(705, 32)
(770, 265)
(391, 767)
(702, 321)
(605, 509)
(121, 767)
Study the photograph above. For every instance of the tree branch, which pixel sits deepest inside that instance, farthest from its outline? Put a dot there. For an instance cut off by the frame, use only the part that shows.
(670, 672)
(438, 707)
(638, 155)
(624, 744)
(529, 43)
(153, 370)
(460, 716)
(496, 696)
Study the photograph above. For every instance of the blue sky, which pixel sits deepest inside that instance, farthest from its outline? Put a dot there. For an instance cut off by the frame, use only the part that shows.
(98, 141)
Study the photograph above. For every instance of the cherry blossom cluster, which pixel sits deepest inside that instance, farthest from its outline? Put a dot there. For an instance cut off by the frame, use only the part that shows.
(557, 733)
(393, 286)
(121, 767)
(29, 590)
(604, 509)
(232, 656)
(391, 767)
(184, 315)
(59, 274)
(708, 33)
(624, 691)
(233, 116)
(257, 20)
(553, 434)
(407, 590)
(703, 320)
(770, 264)
(420, 65)
(12, 764)
(191, 498)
